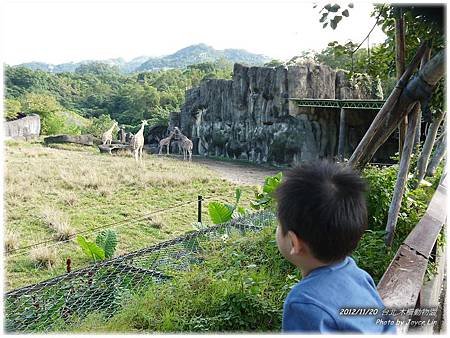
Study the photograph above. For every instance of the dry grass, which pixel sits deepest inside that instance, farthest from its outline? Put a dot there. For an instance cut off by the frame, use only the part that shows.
(156, 222)
(70, 198)
(43, 257)
(11, 240)
(57, 221)
(59, 192)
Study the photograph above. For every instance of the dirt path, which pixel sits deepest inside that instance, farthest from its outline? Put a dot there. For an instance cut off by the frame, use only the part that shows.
(237, 172)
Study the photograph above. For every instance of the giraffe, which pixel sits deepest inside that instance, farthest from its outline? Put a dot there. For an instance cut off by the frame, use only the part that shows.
(107, 135)
(186, 144)
(137, 142)
(166, 142)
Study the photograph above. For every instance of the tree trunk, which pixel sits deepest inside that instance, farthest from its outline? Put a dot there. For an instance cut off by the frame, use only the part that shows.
(400, 68)
(438, 155)
(398, 105)
(402, 175)
(428, 147)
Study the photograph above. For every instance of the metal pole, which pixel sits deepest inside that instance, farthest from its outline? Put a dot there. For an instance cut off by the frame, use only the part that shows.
(199, 208)
(341, 142)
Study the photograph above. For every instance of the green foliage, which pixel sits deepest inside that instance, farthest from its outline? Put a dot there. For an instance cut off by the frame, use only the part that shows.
(223, 212)
(98, 125)
(98, 89)
(239, 287)
(243, 280)
(103, 247)
(107, 240)
(421, 23)
(372, 254)
(273, 63)
(91, 249)
(264, 198)
(49, 110)
(12, 109)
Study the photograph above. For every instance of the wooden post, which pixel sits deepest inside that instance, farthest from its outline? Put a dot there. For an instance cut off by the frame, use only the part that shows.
(439, 154)
(199, 208)
(402, 176)
(425, 59)
(342, 135)
(403, 170)
(400, 67)
(427, 148)
(398, 104)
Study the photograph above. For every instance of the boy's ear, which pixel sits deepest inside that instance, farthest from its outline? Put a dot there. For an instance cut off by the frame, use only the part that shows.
(297, 245)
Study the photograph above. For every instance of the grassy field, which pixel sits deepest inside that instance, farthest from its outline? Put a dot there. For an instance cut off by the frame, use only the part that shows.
(54, 192)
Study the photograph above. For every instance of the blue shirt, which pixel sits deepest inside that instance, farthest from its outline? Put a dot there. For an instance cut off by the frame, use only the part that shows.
(324, 300)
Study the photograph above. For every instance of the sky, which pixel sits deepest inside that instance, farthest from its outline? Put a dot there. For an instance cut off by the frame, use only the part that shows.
(65, 30)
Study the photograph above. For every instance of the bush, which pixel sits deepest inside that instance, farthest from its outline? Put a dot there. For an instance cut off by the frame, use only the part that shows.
(240, 286)
(12, 109)
(98, 125)
(372, 254)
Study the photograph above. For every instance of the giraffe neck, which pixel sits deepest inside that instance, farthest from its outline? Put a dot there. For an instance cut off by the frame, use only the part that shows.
(141, 131)
(111, 129)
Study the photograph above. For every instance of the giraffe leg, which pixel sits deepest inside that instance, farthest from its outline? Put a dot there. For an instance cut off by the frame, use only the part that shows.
(160, 149)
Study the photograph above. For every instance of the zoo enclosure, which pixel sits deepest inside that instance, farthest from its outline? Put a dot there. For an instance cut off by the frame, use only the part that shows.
(103, 286)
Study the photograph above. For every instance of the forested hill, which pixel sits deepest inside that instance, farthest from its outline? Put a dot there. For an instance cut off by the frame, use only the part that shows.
(85, 101)
(180, 59)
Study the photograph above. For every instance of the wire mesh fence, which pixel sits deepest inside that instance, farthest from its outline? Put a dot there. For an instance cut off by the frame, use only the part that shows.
(103, 286)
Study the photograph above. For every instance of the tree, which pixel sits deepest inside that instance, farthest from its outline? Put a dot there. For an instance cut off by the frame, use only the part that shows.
(273, 63)
(47, 108)
(12, 109)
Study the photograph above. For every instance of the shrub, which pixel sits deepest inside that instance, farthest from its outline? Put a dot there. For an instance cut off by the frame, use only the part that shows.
(103, 247)
(224, 212)
(12, 109)
(98, 125)
(240, 286)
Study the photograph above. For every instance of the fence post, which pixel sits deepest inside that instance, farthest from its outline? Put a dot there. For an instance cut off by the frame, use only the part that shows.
(68, 265)
(199, 208)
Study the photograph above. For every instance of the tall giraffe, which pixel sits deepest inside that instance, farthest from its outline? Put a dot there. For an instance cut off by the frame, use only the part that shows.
(186, 144)
(107, 135)
(137, 142)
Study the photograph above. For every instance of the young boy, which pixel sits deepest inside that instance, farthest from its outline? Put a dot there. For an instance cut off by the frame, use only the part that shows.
(322, 215)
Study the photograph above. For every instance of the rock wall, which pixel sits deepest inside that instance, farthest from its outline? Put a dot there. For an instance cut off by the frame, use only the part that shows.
(251, 116)
(23, 128)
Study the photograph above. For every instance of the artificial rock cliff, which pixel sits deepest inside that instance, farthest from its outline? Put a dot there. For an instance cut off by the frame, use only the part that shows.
(251, 117)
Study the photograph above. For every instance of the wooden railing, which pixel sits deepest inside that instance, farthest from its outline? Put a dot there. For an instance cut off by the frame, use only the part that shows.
(403, 280)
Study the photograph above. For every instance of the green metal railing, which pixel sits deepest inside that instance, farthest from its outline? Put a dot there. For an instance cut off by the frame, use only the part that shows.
(332, 103)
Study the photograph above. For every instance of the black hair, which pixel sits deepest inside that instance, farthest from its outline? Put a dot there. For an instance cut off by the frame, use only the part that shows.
(324, 204)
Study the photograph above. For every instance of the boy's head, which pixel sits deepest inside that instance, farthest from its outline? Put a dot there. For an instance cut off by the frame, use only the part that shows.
(323, 205)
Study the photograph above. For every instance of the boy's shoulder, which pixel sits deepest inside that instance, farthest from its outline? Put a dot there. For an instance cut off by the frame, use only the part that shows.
(339, 282)
(322, 295)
